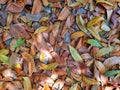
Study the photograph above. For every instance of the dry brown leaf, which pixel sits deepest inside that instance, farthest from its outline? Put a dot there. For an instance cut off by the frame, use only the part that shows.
(111, 61)
(37, 7)
(58, 84)
(15, 7)
(64, 13)
(3, 1)
(52, 39)
(31, 64)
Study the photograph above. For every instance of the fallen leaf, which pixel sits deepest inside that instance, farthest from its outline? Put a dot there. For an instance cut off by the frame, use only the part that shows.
(74, 53)
(74, 87)
(104, 51)
(94, 42)
(27, 83)
(111, 73)
(64, 13)
(89, 81)
(4, 51)
(94, 21)
(46, 87)
(33, 17)
(37, 7)
(50, 66)
(19, 42)
(75, 4)
(77, 34)
(58, 84)
(41, 29)
(4, 58)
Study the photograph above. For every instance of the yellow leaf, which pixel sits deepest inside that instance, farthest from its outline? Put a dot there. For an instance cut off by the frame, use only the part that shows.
(41, 29)
(42, 57)
(89, 81)
(50, 66)
(104, 2)
(4, 51)
(77, 34)
(74, 87)
(94, 21)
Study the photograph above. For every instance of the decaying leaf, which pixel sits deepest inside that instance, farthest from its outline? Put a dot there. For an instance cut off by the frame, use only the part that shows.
(104, 51)
(41, 29)
(74, 53)
(27, 83)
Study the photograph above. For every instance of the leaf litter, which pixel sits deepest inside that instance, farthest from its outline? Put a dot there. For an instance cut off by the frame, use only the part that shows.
(59, 44)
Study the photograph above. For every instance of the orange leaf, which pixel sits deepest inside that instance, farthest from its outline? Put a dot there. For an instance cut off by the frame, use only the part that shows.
(46, 87)
(77, 34)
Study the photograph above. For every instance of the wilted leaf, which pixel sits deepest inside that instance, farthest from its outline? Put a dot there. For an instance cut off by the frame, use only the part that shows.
(94, 21)
(74, 87)
(81, 24)
(41, 29)
(64, 13)
(111, 61)
(19, 42)
(111, 73)
(4, 51)
(27, 83)
(74, 53)
(77, 34)
(94, 42)
(104, 51)
(4, 58)
(50, 66)
(89, 81)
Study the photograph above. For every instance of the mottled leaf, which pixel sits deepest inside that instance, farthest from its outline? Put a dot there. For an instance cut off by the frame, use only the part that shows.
(50, 66)
(94, 42)
(19, 42)
(104, 51)
(74, 53)
(111, 73)
(27, 83)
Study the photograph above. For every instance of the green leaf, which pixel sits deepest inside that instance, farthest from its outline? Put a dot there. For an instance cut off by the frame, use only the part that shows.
(74, 87)
(27, 83)
(94, 21)
(4, 58)
(104, 51)
(93, 42)
(50, 66)
(20, 42)
(111, 73)
(74, 53)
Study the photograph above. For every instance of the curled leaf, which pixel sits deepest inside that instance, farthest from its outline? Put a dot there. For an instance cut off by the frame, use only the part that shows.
(41, 29)
(104, 51)
(104, 2)
(77, 34)
(111, 73)
(94, 42)
(27, 83)
(50, 66)
(94, 21)
(74, 53)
